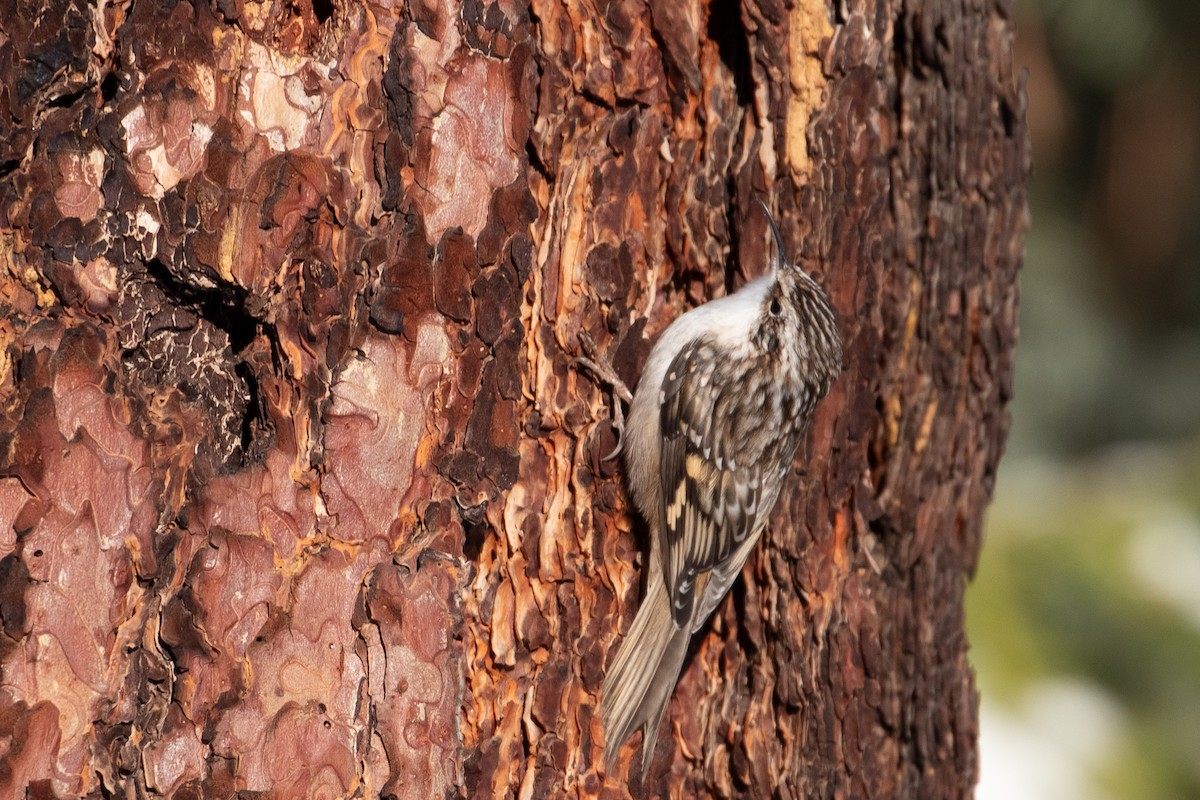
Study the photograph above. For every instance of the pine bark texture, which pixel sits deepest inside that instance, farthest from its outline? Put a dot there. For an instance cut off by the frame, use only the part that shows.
(299, 493)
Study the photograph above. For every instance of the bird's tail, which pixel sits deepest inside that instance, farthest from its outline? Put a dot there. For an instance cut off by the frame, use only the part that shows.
(642, 678)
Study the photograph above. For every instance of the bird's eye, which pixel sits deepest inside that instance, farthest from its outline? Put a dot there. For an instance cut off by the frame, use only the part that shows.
(776, 309)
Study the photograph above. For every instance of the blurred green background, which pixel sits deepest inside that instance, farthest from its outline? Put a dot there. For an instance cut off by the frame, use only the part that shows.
(1084, 617)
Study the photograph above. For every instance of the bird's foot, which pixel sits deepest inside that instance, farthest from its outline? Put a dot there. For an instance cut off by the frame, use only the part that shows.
(599, 366)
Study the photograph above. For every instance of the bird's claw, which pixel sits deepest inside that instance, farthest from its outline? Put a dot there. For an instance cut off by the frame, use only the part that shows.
(599, 366)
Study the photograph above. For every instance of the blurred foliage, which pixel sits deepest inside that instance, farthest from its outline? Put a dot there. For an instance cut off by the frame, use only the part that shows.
(1090, 577)
(1110, 296)
(1091, 573)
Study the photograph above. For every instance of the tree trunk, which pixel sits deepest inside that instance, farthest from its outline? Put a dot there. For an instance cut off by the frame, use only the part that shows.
(299, 493)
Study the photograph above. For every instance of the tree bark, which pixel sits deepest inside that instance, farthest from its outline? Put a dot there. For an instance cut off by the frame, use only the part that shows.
(299, 493)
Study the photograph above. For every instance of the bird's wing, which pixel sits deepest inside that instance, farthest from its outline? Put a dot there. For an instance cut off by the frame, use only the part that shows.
(712, 479)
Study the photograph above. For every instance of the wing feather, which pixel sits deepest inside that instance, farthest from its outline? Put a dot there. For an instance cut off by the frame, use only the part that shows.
(714, 491)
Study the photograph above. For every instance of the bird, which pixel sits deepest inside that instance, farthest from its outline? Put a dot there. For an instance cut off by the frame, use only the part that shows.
(714, 424)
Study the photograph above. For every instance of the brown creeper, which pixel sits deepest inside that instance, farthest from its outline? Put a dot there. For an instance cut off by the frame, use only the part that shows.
(720, 408)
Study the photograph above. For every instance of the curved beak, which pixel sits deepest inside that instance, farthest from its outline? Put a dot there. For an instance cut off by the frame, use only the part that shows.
(780, 259)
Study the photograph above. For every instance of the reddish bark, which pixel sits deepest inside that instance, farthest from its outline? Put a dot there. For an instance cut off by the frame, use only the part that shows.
(298, 491)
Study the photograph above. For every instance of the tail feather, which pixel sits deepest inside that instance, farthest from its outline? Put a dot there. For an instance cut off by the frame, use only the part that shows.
(642, 678)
